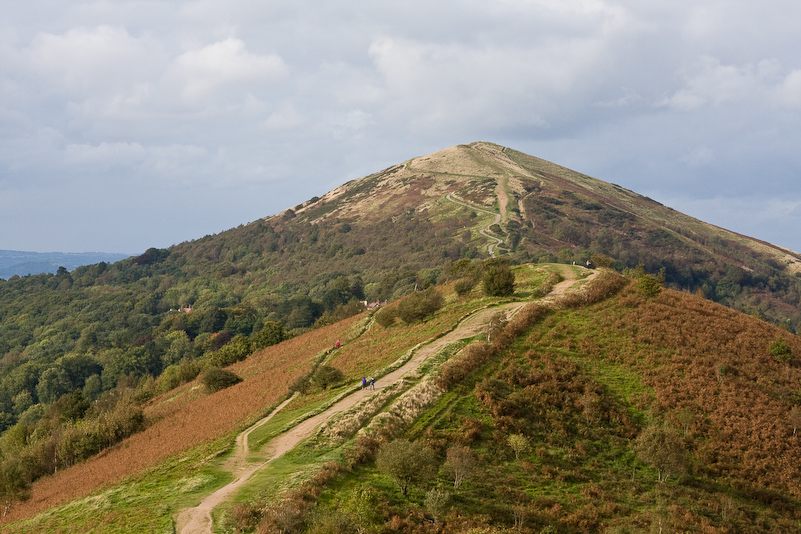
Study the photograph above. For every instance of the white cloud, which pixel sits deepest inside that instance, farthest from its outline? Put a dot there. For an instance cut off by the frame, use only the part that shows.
(90, 60)
(713, 83)
(788, 92)
(225, 63)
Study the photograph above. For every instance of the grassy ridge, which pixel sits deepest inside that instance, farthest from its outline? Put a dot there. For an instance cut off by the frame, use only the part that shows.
(580, 385)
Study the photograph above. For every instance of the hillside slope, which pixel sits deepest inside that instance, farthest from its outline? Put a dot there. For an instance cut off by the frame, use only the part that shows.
(581, 380)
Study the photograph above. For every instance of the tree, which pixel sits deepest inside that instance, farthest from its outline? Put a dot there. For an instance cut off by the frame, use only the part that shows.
(649, 286)
(53, 383)
(363, 505)
(460, 463)
(407, 462)
(518, 443)
(437, 501)
(795, 418)
(497, 278)
(386, 316)
(664, 449)
(14, 484)
(271, 333)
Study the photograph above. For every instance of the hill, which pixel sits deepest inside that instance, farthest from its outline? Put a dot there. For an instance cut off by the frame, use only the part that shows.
(109, 353)
(579, 378)
(19, 263)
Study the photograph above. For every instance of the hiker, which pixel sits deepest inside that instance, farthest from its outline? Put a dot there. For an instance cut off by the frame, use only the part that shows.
(337, 343)
(364, 382)
(372, 383)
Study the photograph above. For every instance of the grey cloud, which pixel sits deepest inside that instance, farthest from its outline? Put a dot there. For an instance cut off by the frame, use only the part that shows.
(214, 107)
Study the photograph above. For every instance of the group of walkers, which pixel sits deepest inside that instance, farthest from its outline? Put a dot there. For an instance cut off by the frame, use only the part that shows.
(371, 381)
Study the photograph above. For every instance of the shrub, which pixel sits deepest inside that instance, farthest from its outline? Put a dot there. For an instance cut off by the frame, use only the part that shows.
(386, 316)
(246, 516)
(780, 350)
(464, 286)
(420, 305)
(649, 285)
(301, 384)
(362, 452)
(216, 379)
(326, 376)
(234, 351)
(603, 286)
(497, 278)
(457, 369)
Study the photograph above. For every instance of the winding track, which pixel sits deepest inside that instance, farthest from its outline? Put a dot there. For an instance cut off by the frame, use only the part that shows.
(483, 231)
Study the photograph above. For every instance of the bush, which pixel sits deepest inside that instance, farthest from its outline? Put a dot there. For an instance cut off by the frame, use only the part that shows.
(326, 376)
(386, 316)
(497, 278)
(234, 351)
(464, 286)
(216, 379)
(457, 369)
(780, 350)
(420, 305)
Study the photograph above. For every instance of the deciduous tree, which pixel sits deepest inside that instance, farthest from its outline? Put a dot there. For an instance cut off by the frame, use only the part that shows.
(407, 462)
(664, 449)
(460, 463)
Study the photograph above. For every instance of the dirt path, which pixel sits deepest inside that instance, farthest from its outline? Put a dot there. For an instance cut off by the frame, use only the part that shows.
(570, 279)
(197, 520)
(491, 248)
(503, 198)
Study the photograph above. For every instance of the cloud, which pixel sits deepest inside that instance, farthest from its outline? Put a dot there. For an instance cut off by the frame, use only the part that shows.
(788, 92)
(90, 60)
(225, 63)
(219, 104)
(709, 82)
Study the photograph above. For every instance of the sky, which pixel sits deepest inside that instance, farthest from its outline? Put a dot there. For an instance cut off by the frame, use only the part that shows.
(128, 124)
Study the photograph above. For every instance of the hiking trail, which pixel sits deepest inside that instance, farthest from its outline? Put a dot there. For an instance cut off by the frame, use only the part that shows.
(198, 520)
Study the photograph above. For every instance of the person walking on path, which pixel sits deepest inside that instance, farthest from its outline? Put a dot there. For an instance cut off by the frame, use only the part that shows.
(364, 382)
(372, 383)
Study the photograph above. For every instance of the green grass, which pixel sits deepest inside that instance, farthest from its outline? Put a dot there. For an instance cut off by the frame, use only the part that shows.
(147, 502)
